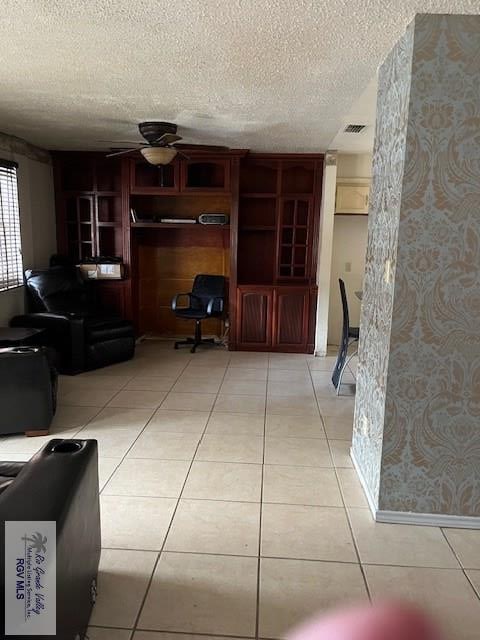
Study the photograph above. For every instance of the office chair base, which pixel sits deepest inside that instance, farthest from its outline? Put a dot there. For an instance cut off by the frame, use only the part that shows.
(196, 343)
(197, 340)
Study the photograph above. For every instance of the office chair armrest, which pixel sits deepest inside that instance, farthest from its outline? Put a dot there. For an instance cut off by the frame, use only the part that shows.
(190, 295)
(175, 299)
(210, 304)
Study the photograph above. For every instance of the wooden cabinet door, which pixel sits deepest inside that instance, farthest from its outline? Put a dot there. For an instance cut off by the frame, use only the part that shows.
(254, 317)
(352, 198)
(290, 318)
(295, 238)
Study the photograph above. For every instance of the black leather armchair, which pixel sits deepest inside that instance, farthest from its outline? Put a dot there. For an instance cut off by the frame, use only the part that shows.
(28, 391)
(82, 338)
(206, 300)
(60, 484)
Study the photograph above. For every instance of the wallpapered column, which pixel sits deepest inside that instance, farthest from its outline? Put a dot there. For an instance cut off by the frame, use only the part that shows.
(416, 442)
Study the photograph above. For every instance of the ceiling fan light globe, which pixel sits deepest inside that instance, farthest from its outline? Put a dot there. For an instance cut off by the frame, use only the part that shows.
(158, 155)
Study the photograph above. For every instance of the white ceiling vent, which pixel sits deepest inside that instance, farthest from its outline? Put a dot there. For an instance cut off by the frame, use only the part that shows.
(354, 128)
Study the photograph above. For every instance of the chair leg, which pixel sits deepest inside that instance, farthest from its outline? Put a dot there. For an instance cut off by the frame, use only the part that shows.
(344, 367)
(196, 341)
(198, 335)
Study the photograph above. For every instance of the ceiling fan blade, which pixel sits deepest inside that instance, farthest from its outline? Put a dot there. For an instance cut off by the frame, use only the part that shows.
(166, 138)
(121, 153)
(207, 147)
(129, 142)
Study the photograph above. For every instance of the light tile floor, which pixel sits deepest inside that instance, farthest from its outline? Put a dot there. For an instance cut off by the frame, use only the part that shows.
(230, 506)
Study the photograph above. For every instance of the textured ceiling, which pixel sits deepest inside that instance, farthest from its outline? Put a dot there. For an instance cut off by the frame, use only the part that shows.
(265, 74)
(363, 111)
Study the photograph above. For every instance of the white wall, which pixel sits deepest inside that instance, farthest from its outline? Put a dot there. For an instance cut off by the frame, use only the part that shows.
(325, 251)
(37, 214)
(349, 246)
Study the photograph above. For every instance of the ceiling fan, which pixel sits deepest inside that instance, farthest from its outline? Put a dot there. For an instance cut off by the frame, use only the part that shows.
(161, 143)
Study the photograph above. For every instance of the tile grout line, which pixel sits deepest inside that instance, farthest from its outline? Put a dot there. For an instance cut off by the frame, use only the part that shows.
(286, 504)
(347, 514)
(179, 633)
(186, 478)
(122, 458)
(159, 554)
(115, 393)
(257, 610)
(101, 493)
(100, 408)
(464, 570)
(352, 563)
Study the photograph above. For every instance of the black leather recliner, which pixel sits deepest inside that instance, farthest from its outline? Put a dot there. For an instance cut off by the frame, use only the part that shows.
(60, 484)
(28, 390)
(82, 338)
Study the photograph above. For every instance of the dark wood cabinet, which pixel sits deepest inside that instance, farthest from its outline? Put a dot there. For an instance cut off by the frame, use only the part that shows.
(278, 223)
(274, 318)
(291, 314)
(254, 319)
(109, 296)
(205, 174)
(88, 191)
(268, 252)
(145, 178)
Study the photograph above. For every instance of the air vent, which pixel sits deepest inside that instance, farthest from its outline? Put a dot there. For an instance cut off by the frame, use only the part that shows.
(354, 128)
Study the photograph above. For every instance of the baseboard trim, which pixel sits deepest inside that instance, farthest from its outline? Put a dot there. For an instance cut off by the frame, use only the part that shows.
(365, 488)
(409, 517)
(428, 519)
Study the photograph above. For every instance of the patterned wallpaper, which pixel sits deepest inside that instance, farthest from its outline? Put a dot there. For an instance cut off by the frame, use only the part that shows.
(377, 304)
(419, 373)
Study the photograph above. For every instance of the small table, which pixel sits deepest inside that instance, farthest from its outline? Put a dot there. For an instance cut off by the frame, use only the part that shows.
(19, 336)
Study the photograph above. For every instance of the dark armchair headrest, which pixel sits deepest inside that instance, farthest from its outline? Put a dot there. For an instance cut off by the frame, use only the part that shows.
(56, 290)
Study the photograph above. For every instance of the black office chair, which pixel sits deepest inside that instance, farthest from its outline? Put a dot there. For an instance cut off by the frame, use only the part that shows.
(206, 300)
(350, 335)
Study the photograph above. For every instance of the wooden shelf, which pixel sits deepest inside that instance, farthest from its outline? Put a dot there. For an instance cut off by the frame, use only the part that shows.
(109, 224)
(258, 195)
(166, 225)
(80, 192)
(295, 196)
(173, 191)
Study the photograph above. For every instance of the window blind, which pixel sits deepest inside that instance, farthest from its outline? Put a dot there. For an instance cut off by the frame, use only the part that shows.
(11, 266)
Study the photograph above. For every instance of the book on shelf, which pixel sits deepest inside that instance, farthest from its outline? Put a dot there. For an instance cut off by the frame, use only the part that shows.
(133, 215)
